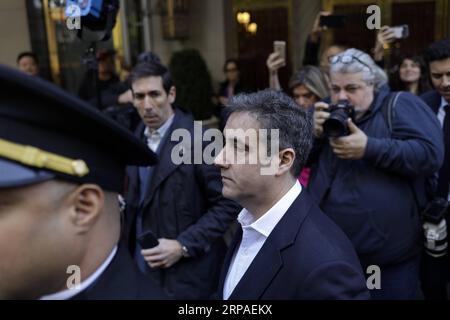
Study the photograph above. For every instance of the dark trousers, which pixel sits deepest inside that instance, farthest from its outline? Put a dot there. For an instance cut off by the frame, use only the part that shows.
(399, 281)
(434, 277)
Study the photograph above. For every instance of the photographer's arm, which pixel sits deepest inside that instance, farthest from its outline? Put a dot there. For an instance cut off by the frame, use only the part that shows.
(274, 62)
(416, 147)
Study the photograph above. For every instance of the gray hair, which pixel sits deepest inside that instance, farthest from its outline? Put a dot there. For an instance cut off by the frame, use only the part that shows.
(313, 79)
(362, 63)
(276, 110)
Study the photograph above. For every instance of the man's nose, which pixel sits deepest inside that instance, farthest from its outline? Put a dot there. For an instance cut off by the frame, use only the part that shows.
(148, 103)
(219, 161)
(301, 101)
(342, 95)
(446, 80)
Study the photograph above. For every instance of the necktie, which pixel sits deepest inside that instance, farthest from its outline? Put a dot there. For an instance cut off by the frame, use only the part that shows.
(444, 172)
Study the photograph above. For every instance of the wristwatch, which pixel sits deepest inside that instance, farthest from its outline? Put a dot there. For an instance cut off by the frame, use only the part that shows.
(185, 252)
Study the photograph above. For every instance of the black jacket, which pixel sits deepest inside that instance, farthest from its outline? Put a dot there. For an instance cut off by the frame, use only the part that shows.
(306, 256)
(432, 99)
(372, 199)
(122, 281)
(435, 272)
(184, 202)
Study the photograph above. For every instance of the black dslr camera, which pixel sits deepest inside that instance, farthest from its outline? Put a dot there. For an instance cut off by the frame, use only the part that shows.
(336, 125)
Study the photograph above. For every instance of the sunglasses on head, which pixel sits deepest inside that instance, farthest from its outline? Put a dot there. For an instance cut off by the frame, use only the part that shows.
(347, 59)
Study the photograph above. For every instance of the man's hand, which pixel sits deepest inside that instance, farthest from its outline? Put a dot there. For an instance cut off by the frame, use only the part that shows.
(165, 255)
(351, 147)
(319, 118)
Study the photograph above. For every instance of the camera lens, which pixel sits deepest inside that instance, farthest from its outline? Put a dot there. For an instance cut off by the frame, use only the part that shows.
(336, 124)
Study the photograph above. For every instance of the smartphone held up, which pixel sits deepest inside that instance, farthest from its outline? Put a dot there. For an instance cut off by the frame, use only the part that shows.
(401, 32)
(279, 47)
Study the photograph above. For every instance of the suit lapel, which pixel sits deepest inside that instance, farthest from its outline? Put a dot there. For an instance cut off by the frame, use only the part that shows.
(269, 261)
(133, 172)
(259, 274)
(226, 264)
(165, 165)
(437, 102)
(133, 192)
(132, 199)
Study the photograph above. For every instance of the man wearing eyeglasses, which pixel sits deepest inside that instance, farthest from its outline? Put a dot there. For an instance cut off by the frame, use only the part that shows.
(370, 180)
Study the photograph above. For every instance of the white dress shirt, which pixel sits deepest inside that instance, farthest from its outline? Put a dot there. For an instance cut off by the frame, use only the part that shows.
(441, 116)
(154, 137)
(69, 293)
(254, 235)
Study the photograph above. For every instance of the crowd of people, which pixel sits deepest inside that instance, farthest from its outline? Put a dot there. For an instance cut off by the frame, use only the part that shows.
(361, 179)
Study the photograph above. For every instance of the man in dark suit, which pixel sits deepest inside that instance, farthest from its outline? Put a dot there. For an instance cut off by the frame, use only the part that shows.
(180, 202)
(436, 270)
(62, 166)
(287, 248)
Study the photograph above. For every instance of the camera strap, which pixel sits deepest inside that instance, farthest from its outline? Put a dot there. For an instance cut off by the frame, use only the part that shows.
(388, 111)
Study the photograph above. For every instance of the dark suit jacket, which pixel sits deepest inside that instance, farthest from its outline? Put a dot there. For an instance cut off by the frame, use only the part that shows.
(305, 257)
(432, 99)
(183, 202)
(435, 272)
(122, 281)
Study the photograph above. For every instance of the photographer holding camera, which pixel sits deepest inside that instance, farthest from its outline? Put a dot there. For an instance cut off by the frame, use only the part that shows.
(372, 167)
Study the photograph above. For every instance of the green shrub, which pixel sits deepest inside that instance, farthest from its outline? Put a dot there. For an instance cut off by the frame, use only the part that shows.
(193, 83)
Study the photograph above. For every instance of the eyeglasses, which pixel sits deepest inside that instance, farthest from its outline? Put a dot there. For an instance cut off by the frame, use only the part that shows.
(347, 59)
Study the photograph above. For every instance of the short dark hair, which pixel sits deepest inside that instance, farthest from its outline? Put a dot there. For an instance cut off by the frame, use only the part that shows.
(148, 56)
(438, 50)
(231, 60)
(276, 110)
(152, 69)
(27, 54)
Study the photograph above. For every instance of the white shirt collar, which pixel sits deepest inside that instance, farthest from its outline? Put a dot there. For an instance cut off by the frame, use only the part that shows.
(161, 130)
(69, 293)
(267, 222)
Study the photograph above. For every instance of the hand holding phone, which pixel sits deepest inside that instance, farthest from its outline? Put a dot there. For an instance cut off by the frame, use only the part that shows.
(401, 32)
(147, 240)
(332, 21)
(279, 47)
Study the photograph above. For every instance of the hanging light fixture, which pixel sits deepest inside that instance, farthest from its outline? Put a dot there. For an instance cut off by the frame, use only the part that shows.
(243, 18)
(252, 28)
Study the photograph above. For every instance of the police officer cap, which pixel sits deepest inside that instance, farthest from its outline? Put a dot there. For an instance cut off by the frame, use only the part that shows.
(47, 133)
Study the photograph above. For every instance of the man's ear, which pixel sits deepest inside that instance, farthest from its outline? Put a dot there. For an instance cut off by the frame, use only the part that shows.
(172, 94)
(86, 204)
(287, 157)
